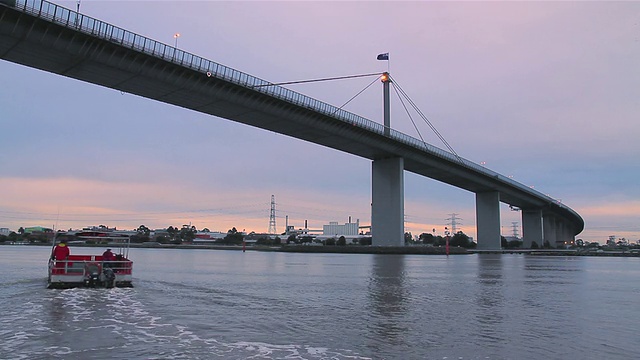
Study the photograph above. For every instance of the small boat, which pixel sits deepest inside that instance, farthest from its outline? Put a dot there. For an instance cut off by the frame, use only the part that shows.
(91, 270)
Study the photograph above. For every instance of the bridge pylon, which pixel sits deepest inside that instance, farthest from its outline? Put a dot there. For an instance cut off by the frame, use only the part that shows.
(387, 188)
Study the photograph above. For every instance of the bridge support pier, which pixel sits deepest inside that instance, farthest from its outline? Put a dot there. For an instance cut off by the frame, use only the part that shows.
(488, 220)
(561, 234)
(569, 236)
(550, 232)
(531, 228)
(387, 205)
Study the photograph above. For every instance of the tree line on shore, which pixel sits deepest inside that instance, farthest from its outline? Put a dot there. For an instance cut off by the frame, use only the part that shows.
(187, 234)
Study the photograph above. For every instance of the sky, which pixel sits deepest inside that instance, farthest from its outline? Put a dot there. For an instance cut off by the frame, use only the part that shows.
(545, 92)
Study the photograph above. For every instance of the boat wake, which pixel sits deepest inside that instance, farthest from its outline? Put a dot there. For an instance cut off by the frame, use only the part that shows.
(125, 323)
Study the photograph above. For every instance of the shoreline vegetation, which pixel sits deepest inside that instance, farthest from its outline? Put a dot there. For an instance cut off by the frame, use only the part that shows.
(390, 250)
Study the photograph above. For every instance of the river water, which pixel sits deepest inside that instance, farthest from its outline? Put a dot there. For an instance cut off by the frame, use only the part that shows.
(213, 304)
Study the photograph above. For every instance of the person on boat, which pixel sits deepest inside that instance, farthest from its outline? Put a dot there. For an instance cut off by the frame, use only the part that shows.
(119, 263)
(108, 257)
(60, 255)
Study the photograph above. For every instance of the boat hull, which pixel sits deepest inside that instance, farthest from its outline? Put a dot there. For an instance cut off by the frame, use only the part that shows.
(69, 282)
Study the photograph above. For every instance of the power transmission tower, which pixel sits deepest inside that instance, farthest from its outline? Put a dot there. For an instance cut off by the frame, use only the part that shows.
(454, 223)
(514, 226)
(272, 216)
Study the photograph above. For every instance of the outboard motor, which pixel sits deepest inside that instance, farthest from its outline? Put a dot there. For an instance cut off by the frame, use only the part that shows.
(92, 274)
(109, 277)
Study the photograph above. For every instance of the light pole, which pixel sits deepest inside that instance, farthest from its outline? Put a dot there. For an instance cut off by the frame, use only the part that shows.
(175, 46)
(176, 36)
(77, 11)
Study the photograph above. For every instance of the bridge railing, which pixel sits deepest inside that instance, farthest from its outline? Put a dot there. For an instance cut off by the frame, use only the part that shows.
(72, 19)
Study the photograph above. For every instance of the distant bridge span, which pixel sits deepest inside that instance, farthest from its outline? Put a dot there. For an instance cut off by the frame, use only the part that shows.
(49, 37)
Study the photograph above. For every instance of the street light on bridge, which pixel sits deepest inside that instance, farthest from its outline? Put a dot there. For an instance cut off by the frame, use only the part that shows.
(176, 36)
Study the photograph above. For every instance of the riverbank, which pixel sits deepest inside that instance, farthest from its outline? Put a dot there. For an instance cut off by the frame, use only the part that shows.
(398, 250)
(417, 250)
(559, 252)
(408, 250)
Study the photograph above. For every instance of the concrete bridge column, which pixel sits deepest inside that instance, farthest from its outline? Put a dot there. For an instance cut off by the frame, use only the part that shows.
(549, 228)
(531, 228)
(488, 220)
(387, 205)
(561, 232)
(569, 236)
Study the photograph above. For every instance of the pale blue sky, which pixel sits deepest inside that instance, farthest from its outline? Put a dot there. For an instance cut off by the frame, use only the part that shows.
(544, 91)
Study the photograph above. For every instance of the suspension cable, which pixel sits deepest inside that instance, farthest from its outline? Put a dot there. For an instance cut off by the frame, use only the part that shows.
(399, 92)
(426, 120)
(316, 80)
(356, 95)
(408, 114)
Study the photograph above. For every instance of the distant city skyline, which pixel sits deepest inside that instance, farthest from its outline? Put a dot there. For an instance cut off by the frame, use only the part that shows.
(544, 92)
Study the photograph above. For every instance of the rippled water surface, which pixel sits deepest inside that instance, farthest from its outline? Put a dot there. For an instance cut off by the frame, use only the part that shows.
(207, 304)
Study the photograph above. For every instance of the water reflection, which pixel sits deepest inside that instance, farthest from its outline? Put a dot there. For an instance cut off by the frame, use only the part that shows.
(388, 296)
(490, 296)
